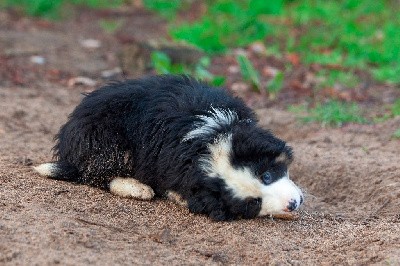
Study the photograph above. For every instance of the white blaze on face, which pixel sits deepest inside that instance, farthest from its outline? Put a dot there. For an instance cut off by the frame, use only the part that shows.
(276, 197)
(240, 180)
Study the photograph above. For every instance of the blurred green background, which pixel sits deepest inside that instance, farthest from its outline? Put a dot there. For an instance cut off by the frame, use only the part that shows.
(361, 34)
(344, 37)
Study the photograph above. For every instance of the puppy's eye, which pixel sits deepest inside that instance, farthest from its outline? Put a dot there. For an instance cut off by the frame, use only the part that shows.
(266, 178)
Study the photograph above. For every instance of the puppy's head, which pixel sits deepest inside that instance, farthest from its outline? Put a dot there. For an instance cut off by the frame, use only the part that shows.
(252, 166)
(267, 160)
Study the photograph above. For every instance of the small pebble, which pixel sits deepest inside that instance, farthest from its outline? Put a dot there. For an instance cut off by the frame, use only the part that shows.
(81, 81)
(37, 59)
(233, 69)
(239, 86)
(91, 43)
(270, 71)
(109, 73)
(258, 48)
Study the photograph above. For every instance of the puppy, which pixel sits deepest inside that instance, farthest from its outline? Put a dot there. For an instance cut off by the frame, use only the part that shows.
(175, 136)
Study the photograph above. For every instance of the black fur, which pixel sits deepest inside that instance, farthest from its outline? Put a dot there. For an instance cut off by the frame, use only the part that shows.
(135, 129)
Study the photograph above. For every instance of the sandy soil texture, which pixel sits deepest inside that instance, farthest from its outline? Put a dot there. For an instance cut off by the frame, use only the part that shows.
(351, 215)
(351, 176)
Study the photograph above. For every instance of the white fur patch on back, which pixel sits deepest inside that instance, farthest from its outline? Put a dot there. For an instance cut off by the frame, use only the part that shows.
(241, 181)
(46, 169)
(132, 188)
(210, 123)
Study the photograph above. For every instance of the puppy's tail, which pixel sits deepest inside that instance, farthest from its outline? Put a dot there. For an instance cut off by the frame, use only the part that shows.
(57, 170)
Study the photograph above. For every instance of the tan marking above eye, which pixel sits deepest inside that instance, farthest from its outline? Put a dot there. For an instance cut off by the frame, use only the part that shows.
(283, 158)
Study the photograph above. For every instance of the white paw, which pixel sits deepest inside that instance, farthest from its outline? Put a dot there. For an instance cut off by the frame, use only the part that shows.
(131, 188)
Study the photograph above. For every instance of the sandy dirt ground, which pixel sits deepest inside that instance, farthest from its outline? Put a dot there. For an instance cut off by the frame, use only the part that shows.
(351, 176)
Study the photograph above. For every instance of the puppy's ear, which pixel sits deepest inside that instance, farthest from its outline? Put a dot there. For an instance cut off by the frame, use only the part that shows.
(256, 142)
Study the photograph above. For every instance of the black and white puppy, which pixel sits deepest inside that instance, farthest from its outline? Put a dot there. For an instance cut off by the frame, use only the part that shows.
(177, 137)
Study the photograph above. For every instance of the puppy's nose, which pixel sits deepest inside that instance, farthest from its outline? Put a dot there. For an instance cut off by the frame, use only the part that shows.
(292, 205)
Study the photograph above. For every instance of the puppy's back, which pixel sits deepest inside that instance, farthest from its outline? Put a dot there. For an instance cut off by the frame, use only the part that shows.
(126, 128)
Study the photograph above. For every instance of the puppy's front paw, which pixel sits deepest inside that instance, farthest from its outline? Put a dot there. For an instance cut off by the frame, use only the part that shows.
(131, 188)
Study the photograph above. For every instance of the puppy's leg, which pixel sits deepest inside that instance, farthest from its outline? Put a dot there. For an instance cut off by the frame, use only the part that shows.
(131, 188)
(176, 198)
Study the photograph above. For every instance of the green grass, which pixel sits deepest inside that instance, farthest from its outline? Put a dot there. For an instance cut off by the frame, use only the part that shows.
(341, 36)
(396, 134)
(55, 9)
(354, 34)
(251, 75)
(390, 111)
(396, 108)
(40, 8)
(275, 85)
(166, 8)
(350, 33)
(331, 113)
(162, 64)
(248, 72)
(228, 24)
(330, 78)
(111, 25)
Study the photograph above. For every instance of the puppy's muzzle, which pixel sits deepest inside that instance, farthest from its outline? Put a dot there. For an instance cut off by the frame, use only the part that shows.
(294, 204)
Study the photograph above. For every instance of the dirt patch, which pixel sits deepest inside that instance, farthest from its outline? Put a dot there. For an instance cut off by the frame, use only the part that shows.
(351, 215)
(351, 176)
